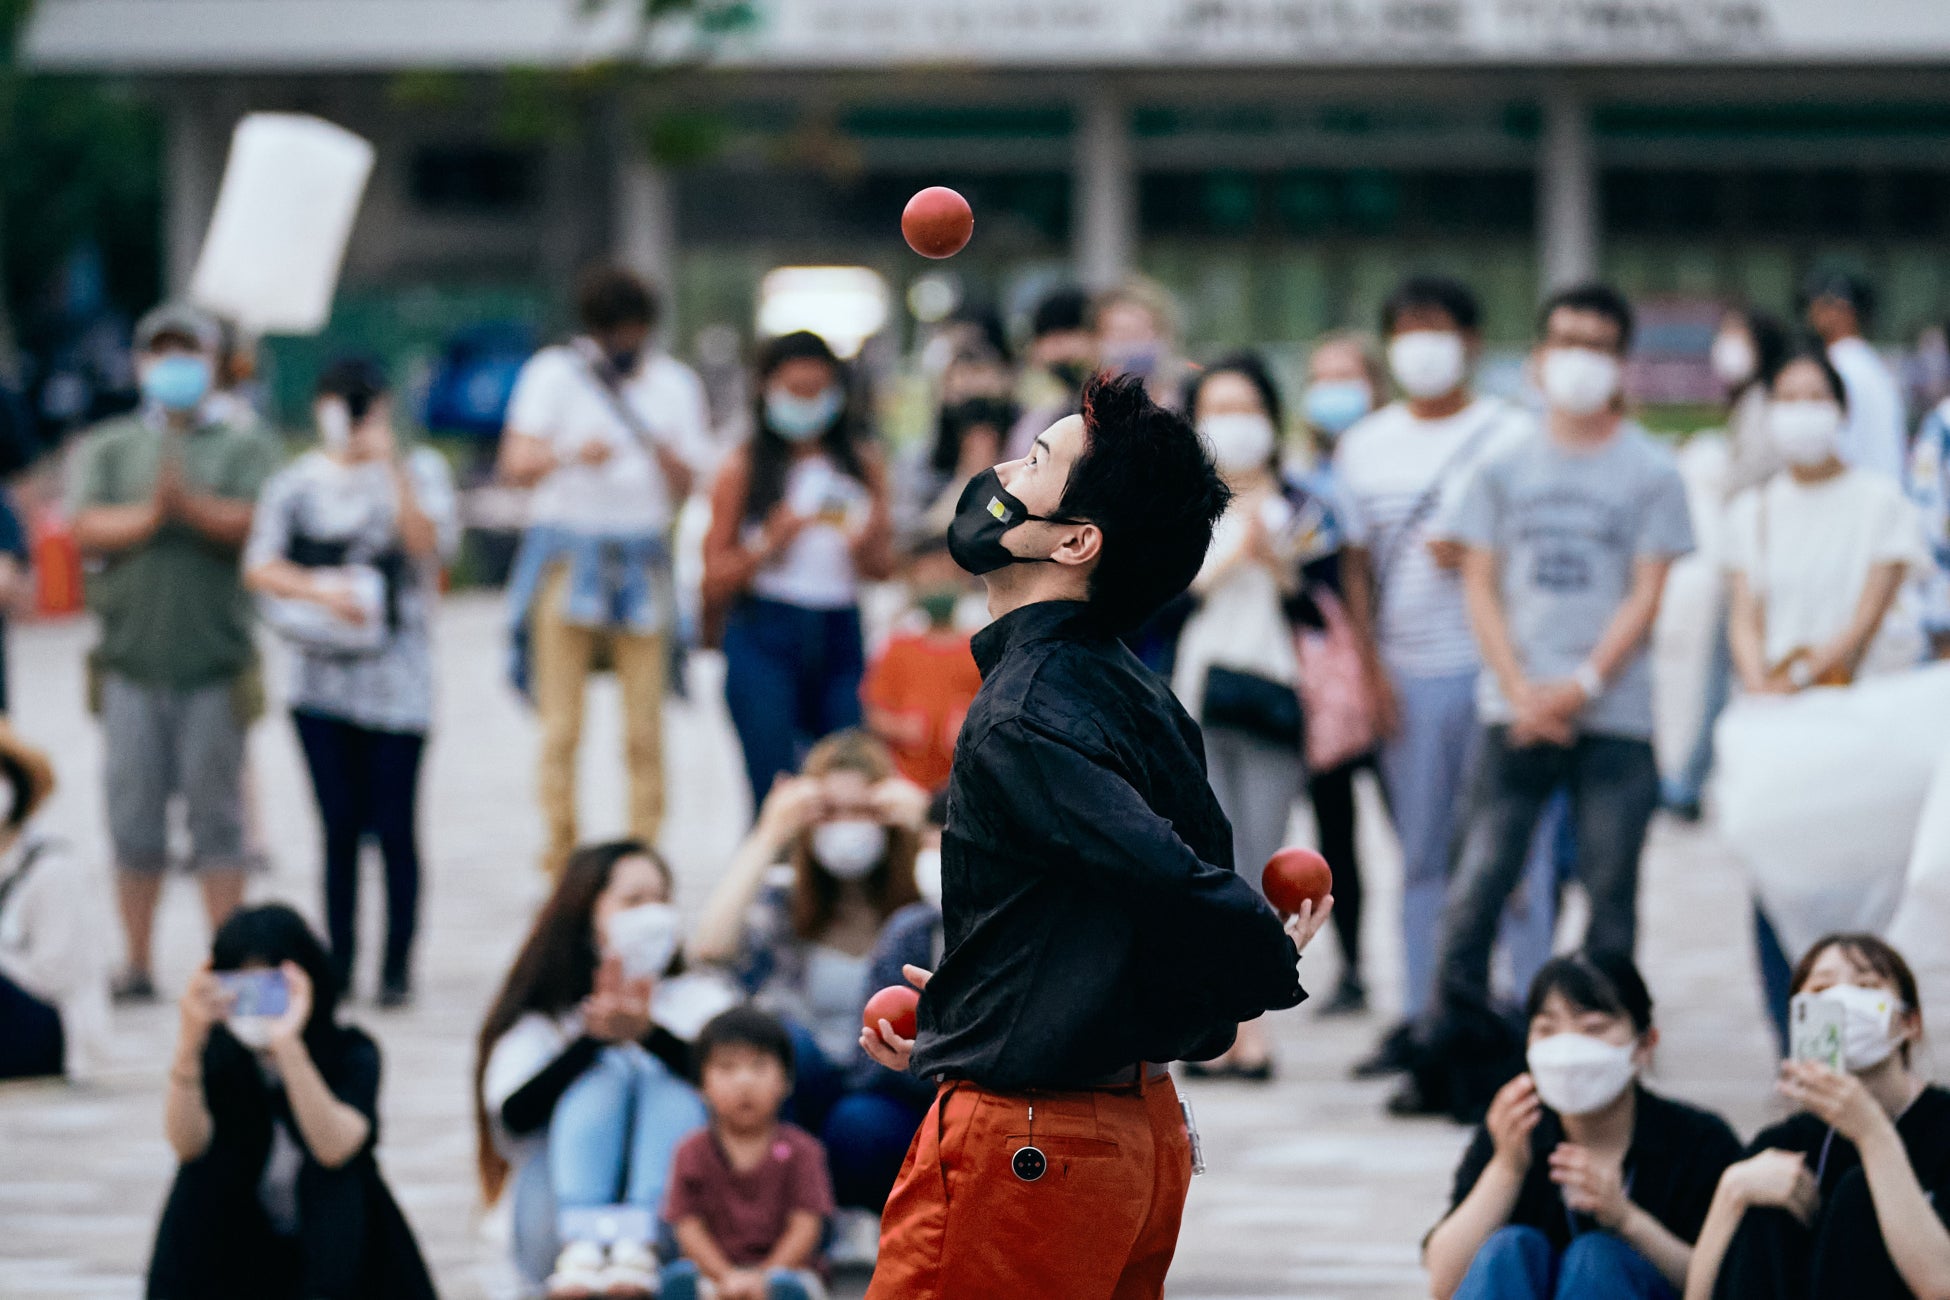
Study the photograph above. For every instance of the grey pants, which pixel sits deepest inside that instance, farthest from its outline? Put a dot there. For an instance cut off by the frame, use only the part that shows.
(1257, 782)
(162, 742)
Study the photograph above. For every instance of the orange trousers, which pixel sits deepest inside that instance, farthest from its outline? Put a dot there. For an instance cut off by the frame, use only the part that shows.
(1101, 1222)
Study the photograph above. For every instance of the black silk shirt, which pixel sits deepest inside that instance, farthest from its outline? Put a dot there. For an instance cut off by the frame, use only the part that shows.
(1091, 914)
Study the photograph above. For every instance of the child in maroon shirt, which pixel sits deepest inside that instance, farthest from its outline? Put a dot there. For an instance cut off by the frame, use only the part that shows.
(749, 1195)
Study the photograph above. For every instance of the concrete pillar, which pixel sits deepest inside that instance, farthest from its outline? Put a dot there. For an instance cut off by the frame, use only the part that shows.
(1567, 193)
(1104, 227)
(195, 144)
(644, 232)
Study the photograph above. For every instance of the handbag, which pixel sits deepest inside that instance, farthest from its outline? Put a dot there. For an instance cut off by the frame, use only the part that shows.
(1333, 687)
(1258, 706)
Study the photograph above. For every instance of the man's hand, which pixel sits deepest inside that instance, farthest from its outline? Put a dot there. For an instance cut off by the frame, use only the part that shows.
(1304, 924)
(1537, 722)
(882, 1043)
(170, 486)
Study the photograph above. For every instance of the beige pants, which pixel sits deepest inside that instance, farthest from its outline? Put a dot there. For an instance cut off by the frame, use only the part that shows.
(564, 656)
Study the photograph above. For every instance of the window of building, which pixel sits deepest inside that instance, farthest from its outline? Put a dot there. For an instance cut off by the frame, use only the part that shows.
(475, 179)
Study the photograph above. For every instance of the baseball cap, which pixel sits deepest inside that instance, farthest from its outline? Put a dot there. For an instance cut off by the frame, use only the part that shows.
(178, 320)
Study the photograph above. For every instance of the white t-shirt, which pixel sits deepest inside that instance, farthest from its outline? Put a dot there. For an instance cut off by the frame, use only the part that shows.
(1820, 541)
(1240, 622)
(1384, 466)
(1875, 436)
(559, 399)
(817, 570)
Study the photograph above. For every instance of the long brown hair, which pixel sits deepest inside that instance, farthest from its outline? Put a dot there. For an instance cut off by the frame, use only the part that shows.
(1871, 953)
(890, 885)
(555, 970)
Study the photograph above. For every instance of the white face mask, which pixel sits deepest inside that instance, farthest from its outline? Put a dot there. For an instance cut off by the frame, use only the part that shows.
(334, 424)
(1427, 363)
(1869, 1031)
(1733, 359)
(1579, 381)
(1805, 433)
(1577, 1074)
(927, 875)
(645, 938)
(1239, 441)
(849, 849)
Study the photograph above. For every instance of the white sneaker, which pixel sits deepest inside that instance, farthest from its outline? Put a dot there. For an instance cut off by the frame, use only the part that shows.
(856, 1239)
(631, 1273)
(578, 1272)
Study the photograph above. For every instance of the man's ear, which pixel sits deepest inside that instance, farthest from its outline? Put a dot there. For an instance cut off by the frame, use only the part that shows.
(1083, 544)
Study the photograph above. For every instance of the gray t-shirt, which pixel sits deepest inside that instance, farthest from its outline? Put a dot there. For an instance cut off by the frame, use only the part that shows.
(1568, 528)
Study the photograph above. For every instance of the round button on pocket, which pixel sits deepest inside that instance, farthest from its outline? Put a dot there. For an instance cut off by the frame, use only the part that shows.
(1029, 1164)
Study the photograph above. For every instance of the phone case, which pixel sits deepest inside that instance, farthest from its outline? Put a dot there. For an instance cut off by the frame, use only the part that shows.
(256, 993)
(1815, 1031)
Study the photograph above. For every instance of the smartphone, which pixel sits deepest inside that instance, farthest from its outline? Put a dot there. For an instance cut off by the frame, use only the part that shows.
(261, 993)
(1815, 1030)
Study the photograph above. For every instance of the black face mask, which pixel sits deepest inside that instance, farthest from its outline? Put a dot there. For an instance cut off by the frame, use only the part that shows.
(985, 512)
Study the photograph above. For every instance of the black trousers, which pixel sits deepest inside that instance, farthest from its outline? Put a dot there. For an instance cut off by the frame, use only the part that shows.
(1841, 1257)
(366, 781)
(1332, 795)
(31, 1041)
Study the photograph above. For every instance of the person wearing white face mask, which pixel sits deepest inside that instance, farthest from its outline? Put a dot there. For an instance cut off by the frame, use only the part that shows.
(1582, 1183)
(797, 917)
(800, 519)
(611, 434)
(1745, 355)
(1845, 1200)
(1237, 669)
(581, 1078)
(1569, 535)
(1397, 474)
(345, 554)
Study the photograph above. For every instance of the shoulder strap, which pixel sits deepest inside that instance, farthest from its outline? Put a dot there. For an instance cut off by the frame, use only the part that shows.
(1425, 504)
(19, 873)
(613, 398)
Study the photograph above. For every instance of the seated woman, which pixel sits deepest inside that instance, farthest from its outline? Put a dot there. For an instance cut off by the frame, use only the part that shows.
(54, 916)
(1817, 558)
(1582, 1183)
(273, 1110)
(803, 941)
(1847, 1197)
(576, 1090)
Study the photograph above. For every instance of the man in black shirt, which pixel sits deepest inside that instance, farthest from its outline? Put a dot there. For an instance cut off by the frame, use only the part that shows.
(1094, 927)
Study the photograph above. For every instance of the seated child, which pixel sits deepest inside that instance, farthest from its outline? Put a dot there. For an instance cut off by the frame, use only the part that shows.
(749, 1195)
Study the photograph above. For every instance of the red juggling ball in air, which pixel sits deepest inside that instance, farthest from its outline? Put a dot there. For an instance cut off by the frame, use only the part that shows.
(937, 222)
(898, 1005)
(1296, 876)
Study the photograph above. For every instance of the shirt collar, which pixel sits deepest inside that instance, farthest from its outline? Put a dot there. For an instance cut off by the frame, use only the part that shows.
(1043, 621)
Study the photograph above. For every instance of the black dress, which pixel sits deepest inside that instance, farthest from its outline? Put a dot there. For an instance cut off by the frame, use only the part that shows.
(217, 1240)
(1841, 1256)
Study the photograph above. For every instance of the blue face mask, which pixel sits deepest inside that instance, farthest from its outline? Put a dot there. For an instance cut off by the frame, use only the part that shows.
(177, 382)
(1333, 405)
(801, 419)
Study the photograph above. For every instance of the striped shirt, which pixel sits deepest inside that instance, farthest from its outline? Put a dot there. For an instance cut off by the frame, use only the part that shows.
(1385, 466)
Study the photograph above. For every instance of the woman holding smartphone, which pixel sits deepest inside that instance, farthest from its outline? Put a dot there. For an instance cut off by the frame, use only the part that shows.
(273, 1110)
(1846, 1198)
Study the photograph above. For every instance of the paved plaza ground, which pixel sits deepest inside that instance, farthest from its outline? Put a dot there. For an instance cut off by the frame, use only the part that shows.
(1310, 1192)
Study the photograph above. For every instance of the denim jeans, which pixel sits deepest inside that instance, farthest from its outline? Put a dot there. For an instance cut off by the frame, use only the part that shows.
(1423, 767)
(792, 677)
(1690, 783)
(866, 1131)
(681, 1282)
(1614, 785)
(1518, 1263)
(614, 1132)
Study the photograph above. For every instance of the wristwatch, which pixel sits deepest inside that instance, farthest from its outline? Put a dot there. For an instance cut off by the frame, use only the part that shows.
(1800, 675)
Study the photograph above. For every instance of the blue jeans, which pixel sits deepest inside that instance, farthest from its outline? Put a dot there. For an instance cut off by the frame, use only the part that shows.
(1614, 790)
(792, 677)
(1518, 1264)
(680, 1283)
(1422, 768)
(613, 1134)
(866, 1131)
(1776, 977)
